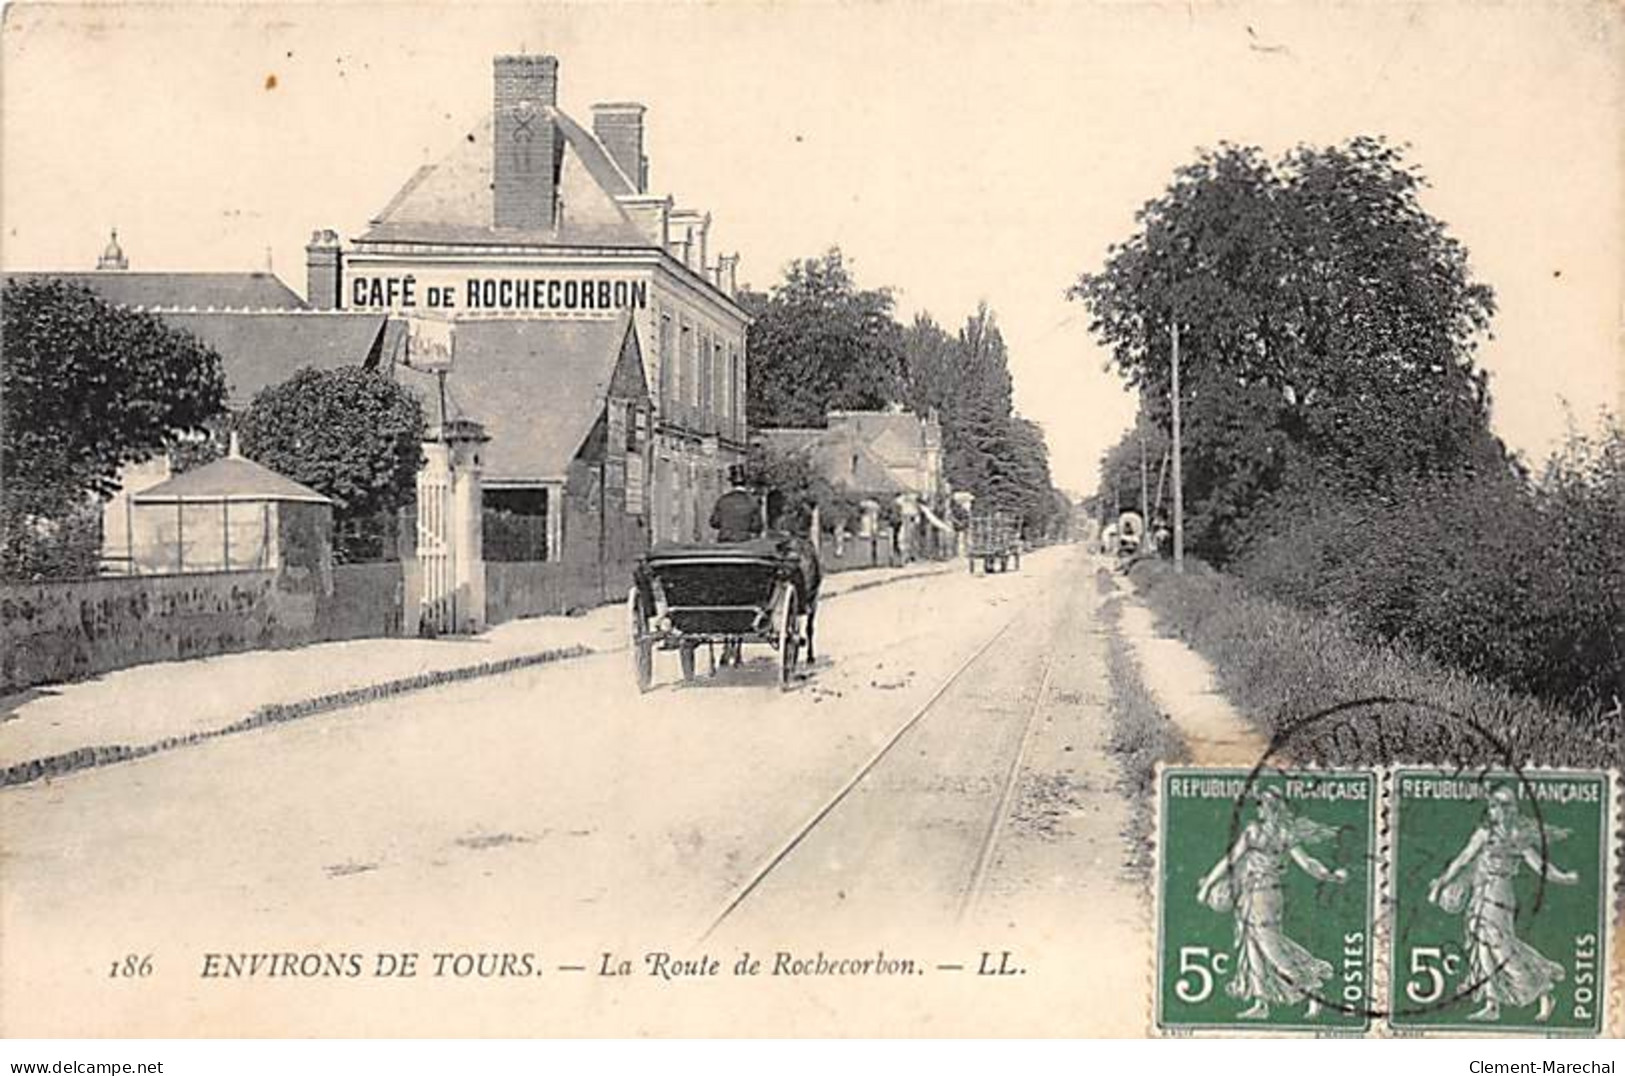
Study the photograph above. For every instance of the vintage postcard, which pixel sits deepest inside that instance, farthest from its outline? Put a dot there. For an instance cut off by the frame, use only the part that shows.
(1080, 520)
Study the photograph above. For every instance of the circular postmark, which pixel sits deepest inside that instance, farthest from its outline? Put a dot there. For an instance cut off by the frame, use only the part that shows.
(1271, 839)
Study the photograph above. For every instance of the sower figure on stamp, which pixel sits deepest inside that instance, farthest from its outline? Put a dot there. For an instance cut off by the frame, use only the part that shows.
(1271, 968)
(1506, 969)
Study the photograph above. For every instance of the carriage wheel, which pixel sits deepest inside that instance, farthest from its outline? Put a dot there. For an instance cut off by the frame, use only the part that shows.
(789, 640)
(643, 647)
(685, 655)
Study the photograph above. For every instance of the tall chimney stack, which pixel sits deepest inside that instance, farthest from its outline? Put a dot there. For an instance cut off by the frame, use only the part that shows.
(323, 272)
(525, 147)
(619, 126)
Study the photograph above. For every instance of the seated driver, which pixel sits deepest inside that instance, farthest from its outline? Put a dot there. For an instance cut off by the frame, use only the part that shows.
(737, 516)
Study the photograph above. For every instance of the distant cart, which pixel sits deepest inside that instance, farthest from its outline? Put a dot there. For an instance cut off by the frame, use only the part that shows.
(1130, 534)
(995, 540)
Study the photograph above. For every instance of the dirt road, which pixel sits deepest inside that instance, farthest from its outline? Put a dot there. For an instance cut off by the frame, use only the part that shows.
(562, 855)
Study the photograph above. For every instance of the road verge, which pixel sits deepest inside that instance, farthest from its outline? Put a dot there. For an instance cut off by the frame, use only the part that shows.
(276, 713)
(1279, 663)
(1142, 735)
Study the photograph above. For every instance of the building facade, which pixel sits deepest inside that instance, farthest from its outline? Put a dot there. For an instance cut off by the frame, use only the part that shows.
(529, 233)
(891, 457)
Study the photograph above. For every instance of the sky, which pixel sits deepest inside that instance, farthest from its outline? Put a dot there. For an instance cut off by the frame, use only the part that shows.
(955, 153)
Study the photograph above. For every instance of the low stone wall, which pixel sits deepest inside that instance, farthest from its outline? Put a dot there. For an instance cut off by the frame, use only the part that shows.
(516, 589)
(68, 630)
(856, 553)
(368, 602)
(58, 631)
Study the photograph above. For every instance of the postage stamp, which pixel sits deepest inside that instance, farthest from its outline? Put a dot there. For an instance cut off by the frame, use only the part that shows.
(1266, 886)
(1499, 890)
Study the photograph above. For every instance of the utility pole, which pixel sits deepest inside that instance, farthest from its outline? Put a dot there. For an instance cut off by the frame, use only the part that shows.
(1162, 481)
(1179, 482)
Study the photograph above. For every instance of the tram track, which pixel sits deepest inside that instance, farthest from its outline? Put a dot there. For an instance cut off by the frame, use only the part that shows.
(969, 891)
(1001, 815)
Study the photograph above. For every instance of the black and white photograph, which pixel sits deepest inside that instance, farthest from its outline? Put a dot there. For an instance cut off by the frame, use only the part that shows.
(813, 520)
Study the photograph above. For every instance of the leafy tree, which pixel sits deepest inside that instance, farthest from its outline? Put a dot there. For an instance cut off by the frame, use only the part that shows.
(793, 475)
(977, 417)
(87, 387)
(1580, 502)
(932, 366)
(934, 371)
(1515, 579)
(987, 448)
(1120, 470)
(350, 433)
(1023, 477)
(819, 344)
(1327, 327)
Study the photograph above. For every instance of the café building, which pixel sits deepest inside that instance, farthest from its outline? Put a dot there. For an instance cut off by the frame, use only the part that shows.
(534, 264)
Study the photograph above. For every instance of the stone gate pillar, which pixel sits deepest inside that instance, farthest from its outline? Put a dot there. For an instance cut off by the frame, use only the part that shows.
(451, 549)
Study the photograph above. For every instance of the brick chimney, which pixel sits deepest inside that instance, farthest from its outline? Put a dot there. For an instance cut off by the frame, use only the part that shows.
(688, 228)
(526, 146)
(728, 273)
(322, 273)
(619, 126)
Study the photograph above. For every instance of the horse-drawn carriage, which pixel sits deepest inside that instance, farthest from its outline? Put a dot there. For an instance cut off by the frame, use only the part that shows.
(725, 595)
(994, 539)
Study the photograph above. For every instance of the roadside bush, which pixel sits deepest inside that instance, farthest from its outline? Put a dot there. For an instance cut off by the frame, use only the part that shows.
(65, 546)
(350, 433)
(1518, 581)
(1280, 664)
(1580, 499)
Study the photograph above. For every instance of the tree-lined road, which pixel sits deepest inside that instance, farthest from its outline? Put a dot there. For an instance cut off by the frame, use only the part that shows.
(557, 815)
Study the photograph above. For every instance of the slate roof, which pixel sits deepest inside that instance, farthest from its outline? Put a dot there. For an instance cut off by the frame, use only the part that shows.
(897, 437)
(183, 291)
(790, 438)
(838, 456)
(451, 201)
(267, 348)
(850, 463)
(538, 386)
(230, 479)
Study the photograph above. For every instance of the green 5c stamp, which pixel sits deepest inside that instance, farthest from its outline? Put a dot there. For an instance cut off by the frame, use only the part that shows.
(1499, 885)
(1266, 883)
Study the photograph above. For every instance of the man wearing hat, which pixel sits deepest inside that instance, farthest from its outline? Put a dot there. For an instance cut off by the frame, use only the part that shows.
(737, 516)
